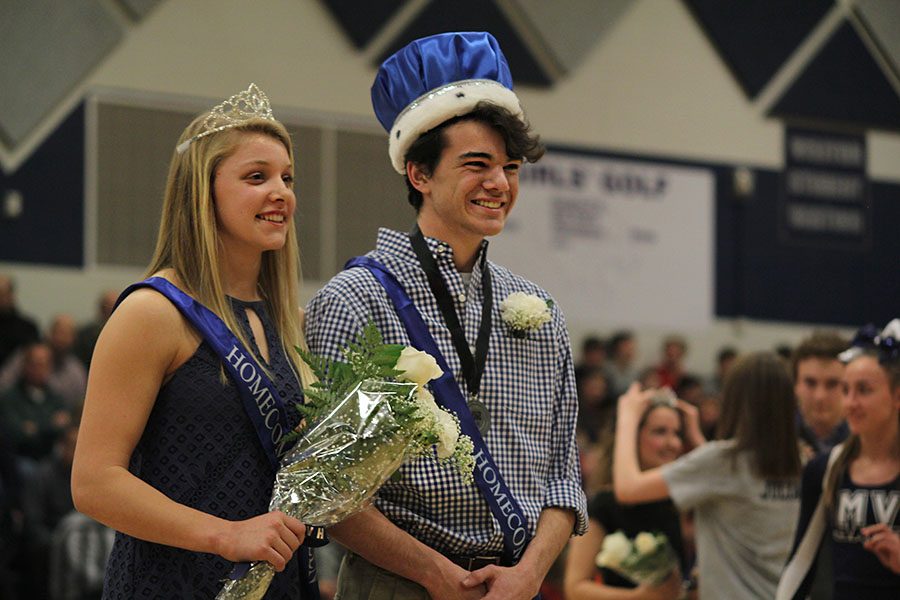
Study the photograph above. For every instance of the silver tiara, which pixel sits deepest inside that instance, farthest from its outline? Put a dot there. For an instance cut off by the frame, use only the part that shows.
(237, 110)
(664, 397)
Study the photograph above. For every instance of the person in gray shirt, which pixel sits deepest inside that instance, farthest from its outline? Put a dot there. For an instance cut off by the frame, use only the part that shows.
(743, 488)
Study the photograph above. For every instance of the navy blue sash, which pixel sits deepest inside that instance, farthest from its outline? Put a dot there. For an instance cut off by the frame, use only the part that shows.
(261, 400)
(503, 505)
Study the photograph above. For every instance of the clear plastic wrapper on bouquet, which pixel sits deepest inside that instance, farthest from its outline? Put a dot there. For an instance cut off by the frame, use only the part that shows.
(363, 423)
(339, 464)
(648, 559)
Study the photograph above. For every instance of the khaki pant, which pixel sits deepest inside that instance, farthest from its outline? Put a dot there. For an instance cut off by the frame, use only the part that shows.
(359, 579)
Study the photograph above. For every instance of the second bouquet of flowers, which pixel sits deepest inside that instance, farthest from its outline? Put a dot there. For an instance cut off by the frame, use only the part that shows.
(363, 418)
(649, 559)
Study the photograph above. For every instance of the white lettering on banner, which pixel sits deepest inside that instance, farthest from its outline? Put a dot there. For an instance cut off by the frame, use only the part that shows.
(554, 176)
(234, 354)
(265, 402)
(279, 445)
(815, 183)
(518, 535)
(825, 190)
(825, 219)
(247, 372)
(634, 184)
(276, 433)
(263, 396)
(841, 152)
(513, 521)
(575, 217)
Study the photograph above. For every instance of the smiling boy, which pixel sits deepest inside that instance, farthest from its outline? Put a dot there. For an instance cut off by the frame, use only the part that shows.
(458, 135)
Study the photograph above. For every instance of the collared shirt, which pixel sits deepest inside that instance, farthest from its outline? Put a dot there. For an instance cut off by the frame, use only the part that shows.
(528, 387)
(839, 434)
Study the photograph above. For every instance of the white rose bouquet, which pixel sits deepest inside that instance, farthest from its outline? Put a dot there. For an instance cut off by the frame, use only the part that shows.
(363, 418)
(649, 559)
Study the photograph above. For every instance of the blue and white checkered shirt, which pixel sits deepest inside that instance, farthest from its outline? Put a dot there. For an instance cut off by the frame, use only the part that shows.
(528, 387)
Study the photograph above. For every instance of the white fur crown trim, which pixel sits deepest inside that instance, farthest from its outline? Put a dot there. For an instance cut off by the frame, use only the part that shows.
(452, 100)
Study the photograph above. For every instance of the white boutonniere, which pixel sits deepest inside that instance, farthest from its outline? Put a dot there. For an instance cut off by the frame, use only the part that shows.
(524, 313)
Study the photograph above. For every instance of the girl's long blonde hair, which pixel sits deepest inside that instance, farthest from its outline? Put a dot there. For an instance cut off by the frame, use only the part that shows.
(188, 240)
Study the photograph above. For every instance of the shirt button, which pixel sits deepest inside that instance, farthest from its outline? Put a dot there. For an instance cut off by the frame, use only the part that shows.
(461, 297)
(440, 249)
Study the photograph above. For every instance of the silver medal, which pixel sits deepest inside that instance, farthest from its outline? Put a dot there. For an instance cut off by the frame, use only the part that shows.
(480, 414)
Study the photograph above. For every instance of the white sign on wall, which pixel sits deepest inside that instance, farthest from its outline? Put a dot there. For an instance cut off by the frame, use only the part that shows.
(615, 241)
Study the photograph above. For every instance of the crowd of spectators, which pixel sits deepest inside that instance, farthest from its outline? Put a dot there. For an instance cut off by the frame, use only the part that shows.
(47, 550)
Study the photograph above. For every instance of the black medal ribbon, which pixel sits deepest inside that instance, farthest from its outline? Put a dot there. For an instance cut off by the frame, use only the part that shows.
(472, 366)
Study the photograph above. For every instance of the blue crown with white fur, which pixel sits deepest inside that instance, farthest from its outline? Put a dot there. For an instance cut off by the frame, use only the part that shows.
(434, 79)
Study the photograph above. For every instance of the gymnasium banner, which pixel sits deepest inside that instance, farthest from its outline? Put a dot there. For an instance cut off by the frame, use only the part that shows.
(620, 242)
(825, 197)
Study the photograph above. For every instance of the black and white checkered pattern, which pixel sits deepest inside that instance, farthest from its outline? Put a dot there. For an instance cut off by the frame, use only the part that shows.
(528, 387)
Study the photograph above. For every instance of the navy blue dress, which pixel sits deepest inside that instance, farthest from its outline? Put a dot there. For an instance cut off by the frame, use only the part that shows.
(857, 573)
(200, 449)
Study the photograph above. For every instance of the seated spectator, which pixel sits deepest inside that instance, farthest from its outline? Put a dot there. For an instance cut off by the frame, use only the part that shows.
(710, 405)
(68, 377)
(594, 430)
(743, 488)
(670, 370)
(784, 352)
(852, 494)
(46, 499)
(621, 352)
(649, 379)
(593, 356)
(88, 333)
(10, 516)
(725, 359)
(16, 330)
(817, 384)
(32, 413)
(660, 440)
(690, 389)
(710, 409)
(595, 406)
(79, 551)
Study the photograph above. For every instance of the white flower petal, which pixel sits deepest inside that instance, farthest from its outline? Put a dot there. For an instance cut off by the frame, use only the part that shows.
(616, 548)
(645, 542)
(417, 366)
(448, 434)
(524, 312)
